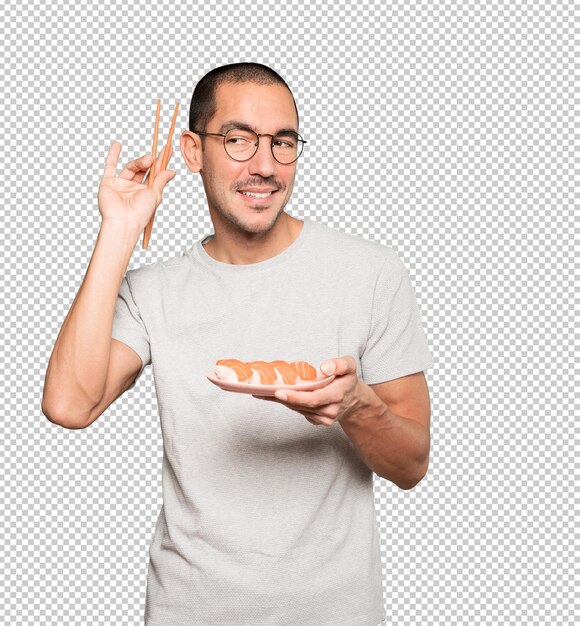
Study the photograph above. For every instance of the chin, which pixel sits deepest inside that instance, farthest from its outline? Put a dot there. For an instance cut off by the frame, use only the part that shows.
(249, 219)
(262, 223)
(259, 223)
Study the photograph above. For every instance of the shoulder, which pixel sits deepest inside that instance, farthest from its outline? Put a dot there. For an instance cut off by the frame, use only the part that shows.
(354, 250)
(159, 271)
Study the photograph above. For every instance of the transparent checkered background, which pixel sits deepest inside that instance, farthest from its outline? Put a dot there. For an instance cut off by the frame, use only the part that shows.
(442, 129)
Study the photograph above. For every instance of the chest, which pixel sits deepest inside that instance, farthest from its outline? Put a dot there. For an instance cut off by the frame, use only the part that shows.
(253, 319)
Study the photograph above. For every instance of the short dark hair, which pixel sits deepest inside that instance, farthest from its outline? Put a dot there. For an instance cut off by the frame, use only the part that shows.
(203, 102)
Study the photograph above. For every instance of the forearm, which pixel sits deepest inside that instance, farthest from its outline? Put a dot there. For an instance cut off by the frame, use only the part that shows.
(77, 371)
(392, 446)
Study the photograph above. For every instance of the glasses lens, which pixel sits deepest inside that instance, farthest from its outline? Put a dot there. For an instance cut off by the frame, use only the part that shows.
(241, 144)
(287, 147)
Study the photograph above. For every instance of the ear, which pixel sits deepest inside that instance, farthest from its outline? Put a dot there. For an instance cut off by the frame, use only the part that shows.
(190, 146)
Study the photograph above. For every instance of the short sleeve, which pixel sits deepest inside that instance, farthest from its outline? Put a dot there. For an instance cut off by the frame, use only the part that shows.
(129, 328)
(396, 344)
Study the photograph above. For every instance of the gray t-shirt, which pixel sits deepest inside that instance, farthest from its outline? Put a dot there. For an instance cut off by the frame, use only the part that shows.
(266, 518)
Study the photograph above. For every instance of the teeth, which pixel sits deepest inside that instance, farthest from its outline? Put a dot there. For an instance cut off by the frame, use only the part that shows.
(256, 195)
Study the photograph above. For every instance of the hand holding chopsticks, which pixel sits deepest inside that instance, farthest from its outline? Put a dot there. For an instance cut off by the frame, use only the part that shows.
(125, 200)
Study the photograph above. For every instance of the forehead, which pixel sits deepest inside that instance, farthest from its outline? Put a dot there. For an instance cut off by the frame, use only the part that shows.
(266, 108)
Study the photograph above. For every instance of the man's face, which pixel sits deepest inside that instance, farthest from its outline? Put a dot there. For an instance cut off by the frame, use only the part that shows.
(265, 109)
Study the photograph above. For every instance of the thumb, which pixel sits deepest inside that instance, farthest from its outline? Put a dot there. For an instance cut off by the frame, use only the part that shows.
(341, 365)
(328, 367)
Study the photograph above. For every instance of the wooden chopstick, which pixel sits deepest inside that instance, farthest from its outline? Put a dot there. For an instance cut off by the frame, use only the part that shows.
(164, 161)
(151, 173)
(154, 151)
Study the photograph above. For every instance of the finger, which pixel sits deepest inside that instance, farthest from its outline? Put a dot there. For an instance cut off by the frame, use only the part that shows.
(137, 166)
(326, 421)
(162, 179)
(313, 418)
(340, 365)
(139, 177)
(165, 159)
(111, 160)
(323, 412)
(273, 398)
(306, 399)
(161, 152)
(318, 420)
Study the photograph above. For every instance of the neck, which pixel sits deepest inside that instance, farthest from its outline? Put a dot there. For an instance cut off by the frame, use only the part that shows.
(238, 247)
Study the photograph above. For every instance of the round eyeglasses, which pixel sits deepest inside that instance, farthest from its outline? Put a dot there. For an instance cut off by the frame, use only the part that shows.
(241, 144)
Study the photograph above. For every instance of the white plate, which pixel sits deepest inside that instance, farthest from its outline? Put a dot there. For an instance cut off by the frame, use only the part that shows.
(267, 390)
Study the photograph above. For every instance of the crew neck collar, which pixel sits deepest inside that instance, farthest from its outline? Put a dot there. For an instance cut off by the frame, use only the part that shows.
(200, 253)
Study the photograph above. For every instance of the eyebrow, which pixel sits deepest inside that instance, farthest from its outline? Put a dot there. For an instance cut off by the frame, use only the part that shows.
(229, 124)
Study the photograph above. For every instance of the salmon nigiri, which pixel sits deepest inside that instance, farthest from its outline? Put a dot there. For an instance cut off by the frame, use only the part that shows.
(264, 372)
(233, 370)
(287, 375)
(305, 370)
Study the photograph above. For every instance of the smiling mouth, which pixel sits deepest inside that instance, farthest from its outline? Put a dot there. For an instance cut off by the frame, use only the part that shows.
(252, 194)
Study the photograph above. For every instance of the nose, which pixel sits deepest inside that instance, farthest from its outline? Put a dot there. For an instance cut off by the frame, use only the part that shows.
(263, 162)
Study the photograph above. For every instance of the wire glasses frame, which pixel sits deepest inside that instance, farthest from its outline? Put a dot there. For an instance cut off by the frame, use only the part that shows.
(299, 143)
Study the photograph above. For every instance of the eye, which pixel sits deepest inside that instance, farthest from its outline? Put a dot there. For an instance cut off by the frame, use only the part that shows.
(285, 143)
(238, 140)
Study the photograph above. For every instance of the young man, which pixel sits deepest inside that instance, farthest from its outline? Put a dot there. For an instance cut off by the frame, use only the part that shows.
(268, 510)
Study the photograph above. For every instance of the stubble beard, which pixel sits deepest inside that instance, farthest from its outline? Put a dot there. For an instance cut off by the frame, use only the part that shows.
(234, 220)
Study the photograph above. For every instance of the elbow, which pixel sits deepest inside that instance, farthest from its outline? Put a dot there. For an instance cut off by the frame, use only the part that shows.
(63, 418)
(412, 478)
(407, 485)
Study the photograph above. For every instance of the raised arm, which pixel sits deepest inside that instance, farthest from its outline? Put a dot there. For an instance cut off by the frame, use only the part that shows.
(83, 369)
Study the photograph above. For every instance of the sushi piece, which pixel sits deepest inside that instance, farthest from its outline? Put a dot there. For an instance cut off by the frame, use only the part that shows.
(233, 370)
(305, 371)
(264, 373)
(287, 375)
